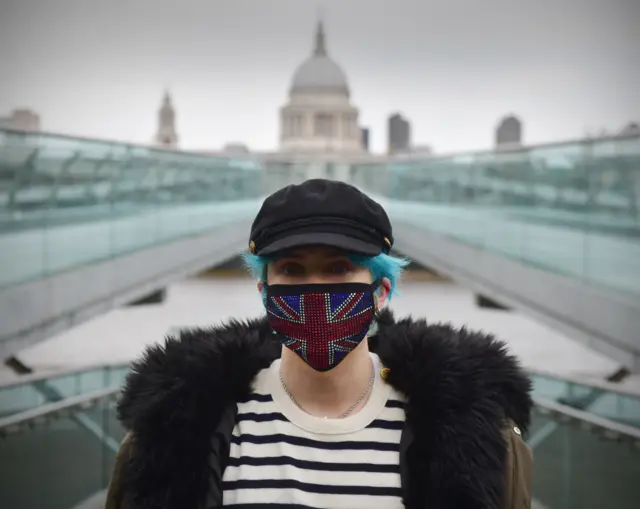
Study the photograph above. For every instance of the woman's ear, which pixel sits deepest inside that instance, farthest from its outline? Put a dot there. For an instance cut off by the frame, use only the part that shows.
(384, 290)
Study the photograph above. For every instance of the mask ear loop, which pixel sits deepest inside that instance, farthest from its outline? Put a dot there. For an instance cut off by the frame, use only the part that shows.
(373, 328)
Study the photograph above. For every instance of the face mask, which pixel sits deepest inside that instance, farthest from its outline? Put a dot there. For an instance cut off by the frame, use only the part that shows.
(321, 323)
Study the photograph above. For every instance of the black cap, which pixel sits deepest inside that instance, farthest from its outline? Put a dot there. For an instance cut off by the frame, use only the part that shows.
(321, 212)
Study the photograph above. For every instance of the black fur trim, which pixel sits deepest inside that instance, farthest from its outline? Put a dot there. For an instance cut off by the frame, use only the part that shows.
(172, 402)
(460, 385)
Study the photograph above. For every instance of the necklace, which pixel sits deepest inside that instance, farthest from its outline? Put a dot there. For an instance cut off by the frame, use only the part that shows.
(349, 410)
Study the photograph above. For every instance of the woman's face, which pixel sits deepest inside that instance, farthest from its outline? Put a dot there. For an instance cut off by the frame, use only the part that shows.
(319, 265)
(315, 265)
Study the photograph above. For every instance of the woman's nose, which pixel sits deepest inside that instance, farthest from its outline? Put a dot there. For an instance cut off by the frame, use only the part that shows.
(314, 275)
(313, 279)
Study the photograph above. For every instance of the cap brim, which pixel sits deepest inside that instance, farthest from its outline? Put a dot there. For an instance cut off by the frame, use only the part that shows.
(336, 240)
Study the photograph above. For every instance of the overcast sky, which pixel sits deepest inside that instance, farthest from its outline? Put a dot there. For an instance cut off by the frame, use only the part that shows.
(99, 67)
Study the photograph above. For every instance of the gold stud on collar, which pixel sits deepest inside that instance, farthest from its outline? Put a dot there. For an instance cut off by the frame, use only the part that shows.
(384, 373)
(252, 247)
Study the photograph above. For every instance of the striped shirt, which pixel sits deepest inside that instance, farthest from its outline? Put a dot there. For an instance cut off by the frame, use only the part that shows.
(282, 456)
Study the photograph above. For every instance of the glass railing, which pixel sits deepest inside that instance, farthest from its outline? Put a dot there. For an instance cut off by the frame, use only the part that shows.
(61, 458)
(33, 391)
(601, 399)
(66, 202)
(571, 208)
(581, 463)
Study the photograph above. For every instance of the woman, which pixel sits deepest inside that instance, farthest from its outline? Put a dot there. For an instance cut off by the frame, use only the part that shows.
(327, 401)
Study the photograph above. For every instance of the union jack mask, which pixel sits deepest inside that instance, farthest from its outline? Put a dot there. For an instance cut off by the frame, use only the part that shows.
(321, 323)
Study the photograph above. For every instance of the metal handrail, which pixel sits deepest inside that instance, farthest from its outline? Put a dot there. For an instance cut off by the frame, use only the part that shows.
(44, 413)
(611, 429)
(152, 149)
(593, 384)
(587, 141)
(49, 411)
(43, 377)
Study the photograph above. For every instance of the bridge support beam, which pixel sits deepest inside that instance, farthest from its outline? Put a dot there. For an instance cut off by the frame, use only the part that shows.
(603, 320)
(482, 301)
(157, 297)
(38, 309)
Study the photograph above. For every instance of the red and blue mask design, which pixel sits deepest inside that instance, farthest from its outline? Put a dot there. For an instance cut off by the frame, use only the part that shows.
(321, 323)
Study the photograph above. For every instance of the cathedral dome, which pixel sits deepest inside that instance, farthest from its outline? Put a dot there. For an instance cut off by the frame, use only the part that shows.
(319, 117)
(319, 73)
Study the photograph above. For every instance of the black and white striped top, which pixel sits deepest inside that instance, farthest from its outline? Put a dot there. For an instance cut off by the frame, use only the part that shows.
(283, 456)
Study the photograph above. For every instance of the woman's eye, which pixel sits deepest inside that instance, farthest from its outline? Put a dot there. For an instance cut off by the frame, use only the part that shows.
(339, 268)
(291, 269)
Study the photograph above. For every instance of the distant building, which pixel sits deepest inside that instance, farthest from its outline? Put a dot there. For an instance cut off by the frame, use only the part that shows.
(415, 152)
(166, 136)
(419, 150)
(399, 134)
(425, 150)
(235, 148)
(509, 132)
(25, 120)
(365, 138)
(21, 120)
(631, 129)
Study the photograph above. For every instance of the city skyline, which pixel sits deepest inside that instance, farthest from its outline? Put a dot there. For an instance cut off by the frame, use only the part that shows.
(100, 70)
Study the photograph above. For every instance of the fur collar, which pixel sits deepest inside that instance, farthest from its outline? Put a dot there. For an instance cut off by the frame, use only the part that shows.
(460, 385)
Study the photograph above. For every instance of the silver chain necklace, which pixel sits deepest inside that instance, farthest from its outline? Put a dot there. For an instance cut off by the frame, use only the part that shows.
(349, 410)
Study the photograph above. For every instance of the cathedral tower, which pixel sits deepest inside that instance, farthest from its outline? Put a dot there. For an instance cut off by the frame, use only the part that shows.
(166, 136)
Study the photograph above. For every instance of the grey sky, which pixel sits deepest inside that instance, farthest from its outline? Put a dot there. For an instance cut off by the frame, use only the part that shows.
(98, 67)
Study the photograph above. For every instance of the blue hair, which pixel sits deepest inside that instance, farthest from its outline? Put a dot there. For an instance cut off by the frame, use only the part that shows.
(380, 266)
